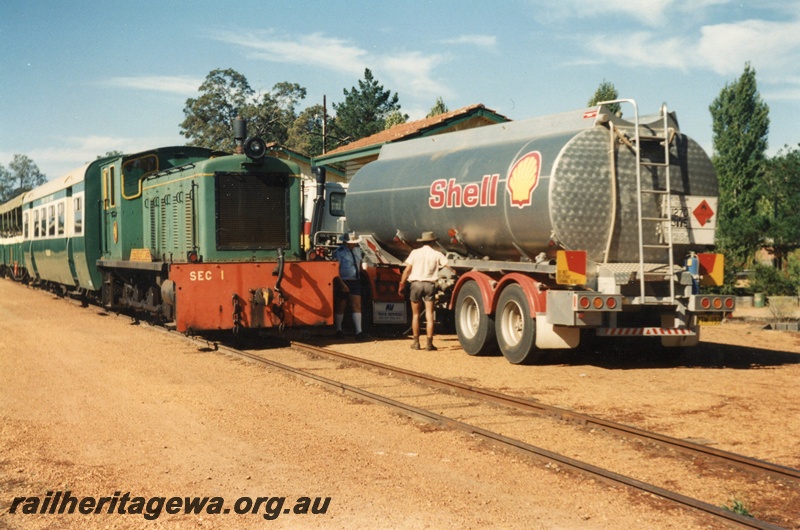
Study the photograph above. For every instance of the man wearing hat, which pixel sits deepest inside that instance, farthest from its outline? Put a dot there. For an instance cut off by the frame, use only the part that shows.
(422, 270)
(349, 256)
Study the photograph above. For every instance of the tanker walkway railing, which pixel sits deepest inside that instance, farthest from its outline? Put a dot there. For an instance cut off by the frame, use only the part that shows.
(665, 139)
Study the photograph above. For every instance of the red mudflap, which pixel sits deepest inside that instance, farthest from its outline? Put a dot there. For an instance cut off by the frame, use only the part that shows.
(221, 296)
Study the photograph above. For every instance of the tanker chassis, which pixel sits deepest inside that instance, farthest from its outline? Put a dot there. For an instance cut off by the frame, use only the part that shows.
(580, 224)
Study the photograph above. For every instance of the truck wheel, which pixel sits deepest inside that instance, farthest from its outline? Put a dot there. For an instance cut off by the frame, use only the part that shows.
(474, 327)
(516, 330)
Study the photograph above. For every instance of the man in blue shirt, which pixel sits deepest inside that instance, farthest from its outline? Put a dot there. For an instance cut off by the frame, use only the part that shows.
(349, 256)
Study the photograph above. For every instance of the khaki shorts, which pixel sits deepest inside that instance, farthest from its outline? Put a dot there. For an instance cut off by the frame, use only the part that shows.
(422, 291)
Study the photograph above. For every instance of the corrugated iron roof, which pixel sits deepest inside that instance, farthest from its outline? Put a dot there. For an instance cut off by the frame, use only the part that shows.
(413, 129)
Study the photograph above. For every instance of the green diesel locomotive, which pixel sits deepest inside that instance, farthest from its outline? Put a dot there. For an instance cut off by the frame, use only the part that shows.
(198, 238)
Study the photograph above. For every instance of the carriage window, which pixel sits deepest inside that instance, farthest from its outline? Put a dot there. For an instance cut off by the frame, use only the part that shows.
(51, 210)
(78, 215)
(36, 224)
(25, 225)
(43, 221)
(60, 218)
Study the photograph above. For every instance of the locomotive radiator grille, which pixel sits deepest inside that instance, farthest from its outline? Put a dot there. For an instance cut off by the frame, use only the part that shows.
(252, 211)
(176, 242)
(153, 229)
(189, 221)
(162, 232)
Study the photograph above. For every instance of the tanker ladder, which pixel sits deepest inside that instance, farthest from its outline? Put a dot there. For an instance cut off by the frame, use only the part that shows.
(665, 139)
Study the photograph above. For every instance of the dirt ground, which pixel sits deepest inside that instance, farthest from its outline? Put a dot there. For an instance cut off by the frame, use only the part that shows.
(93, 405)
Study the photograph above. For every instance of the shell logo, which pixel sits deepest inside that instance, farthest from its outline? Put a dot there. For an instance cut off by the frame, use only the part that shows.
(523, 178)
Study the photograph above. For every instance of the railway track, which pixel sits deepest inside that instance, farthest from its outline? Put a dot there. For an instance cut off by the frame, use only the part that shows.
(470, 409)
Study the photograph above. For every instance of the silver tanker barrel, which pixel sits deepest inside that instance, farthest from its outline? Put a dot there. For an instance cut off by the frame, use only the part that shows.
(514, 190)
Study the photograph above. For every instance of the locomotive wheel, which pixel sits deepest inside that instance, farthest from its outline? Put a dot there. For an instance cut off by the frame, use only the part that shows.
(474, 327)
(516, 330)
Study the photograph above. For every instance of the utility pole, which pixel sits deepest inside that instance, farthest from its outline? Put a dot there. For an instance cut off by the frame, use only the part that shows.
(324, 124)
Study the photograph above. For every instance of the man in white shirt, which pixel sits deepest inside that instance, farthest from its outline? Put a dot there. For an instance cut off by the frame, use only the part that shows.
(422, 270)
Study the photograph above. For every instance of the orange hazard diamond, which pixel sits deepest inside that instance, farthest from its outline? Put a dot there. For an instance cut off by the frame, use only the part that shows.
(703, 213)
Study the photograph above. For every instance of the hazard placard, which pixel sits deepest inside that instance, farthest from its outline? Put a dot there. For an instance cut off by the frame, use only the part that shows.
(693, 218)
(703, 213)
(571, 267)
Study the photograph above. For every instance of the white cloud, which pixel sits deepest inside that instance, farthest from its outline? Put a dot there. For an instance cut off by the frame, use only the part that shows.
(65, 154)
(410, 73)
(314, 50)
(482, 41)
(654, 13)
(415, 71)
(643, 49)
(181, 85)
(772, 47)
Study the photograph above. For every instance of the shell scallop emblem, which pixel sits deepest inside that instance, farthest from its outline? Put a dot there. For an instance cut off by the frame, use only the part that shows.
(523, 178)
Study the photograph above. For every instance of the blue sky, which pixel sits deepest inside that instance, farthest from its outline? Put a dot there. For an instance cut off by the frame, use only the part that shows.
(83, 78)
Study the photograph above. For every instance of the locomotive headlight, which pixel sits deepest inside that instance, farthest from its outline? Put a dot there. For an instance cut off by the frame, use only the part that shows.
(255, 148)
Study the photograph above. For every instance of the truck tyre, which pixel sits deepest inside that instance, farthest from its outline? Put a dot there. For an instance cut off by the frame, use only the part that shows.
(474, 327)
(515, 329)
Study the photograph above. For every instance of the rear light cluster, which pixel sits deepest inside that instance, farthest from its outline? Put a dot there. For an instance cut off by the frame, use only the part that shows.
(715, 303)
(595, 302)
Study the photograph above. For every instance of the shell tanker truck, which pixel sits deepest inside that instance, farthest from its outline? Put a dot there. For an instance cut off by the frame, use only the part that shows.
(570, 226)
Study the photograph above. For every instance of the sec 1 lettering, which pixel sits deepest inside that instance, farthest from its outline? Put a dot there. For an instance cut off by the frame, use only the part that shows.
(200, 276)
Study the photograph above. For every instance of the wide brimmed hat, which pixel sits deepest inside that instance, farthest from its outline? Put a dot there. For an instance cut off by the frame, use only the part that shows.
(351, 237)
(427, 237)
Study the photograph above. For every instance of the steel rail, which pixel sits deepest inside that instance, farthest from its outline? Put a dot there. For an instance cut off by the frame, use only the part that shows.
(504, 441)
(543, 454)
(745, 462)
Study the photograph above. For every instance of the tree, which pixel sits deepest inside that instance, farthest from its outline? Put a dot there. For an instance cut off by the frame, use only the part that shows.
(605, 92)
(305, 133)
(22, 175)
(780, 204)
(226, 94)
(365, 109)
(5, 184)
(209, 118)
(271, 116)
(740, 122)
(438, 108)
(395, 118)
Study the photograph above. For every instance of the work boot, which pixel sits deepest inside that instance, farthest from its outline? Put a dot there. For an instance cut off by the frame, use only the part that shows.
(415, 344)
(430, 346)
